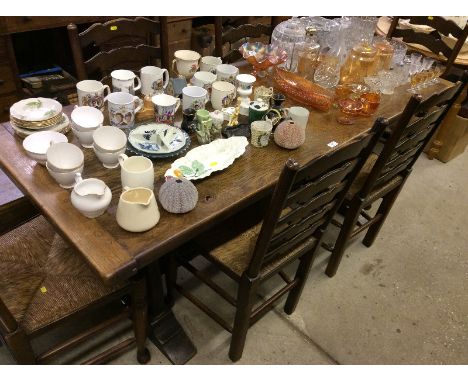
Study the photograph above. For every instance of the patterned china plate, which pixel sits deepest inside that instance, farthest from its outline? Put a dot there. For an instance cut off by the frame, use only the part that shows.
(62, 127)
(157, 139)
(35, 109)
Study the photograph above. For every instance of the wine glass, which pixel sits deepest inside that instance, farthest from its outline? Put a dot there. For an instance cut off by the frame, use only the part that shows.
(426, 72)
(414, 71)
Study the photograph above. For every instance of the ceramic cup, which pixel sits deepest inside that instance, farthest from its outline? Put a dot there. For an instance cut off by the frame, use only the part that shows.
(137, 210)
(300, 115)
(92, 93)
(124, 81)
(109, 143)
(187, 62)
(85, 120)
(136, 171)
(90, 196)
(245, 81)
(64, 161)
(226, 72)
(263, 93)
(154, 80)
(222, 94)
(122, 108)
(260, 133)
(165, 107)
(257, 110)
(65, 179)
(203, 79)
(194, 97)
(209, 64)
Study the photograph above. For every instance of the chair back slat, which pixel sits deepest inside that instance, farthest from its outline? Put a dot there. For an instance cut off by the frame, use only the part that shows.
(8, 323)
(246, 31)
(435, 45)
(306, 198)
(441, 25)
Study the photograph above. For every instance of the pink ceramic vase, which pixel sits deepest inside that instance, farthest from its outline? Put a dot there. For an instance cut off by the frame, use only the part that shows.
(289, 135)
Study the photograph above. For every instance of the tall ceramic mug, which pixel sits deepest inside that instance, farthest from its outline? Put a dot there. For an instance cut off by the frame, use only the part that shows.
(300, 115)
(122, 108)
(209, 64)
(222, 94)
(124, 81)
(186, 62)
(136, 171)
(154, 80)
(165, 107)
(92, 93)
(226, 72)
(194, 97)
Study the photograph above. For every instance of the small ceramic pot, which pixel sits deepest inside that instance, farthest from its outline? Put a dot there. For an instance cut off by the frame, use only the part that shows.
(178, 196)
(109, 139)
(90, 196)
(289, 135)
(124, 81)
(136, 171)
(222, 94)
(65, 179)
(37, 144)
(92, 93)
(137, 210)
(64, 157)
(186, 62)
(226, 72)
(194, 97)
(209, 64)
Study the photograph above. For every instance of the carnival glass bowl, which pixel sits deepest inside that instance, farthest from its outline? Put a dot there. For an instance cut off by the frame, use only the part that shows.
(262, 56)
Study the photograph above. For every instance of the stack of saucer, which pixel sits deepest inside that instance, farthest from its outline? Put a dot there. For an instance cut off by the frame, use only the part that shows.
(31, 115)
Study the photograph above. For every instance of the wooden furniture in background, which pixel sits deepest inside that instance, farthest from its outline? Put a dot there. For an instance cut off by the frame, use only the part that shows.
(385, 174)
(301, 207)
(44, 285)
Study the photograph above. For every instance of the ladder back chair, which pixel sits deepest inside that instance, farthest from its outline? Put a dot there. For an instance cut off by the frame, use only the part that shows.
(434, 40)
(384, 175)
(234, 36)
(120, 44)
(300, 209)
(45, 285)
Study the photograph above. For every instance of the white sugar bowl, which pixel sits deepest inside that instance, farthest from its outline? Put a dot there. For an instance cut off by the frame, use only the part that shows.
(90, 196)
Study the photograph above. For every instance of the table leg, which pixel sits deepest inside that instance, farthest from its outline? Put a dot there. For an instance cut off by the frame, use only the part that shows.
(165, 331)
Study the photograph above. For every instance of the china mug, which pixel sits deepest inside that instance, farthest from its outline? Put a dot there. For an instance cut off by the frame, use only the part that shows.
(209, 64)
(300, 115)
(122, 108)
(222, 94)
(186, 62)
(165, 107)
(203, 79)
(136, 171)
(124, 81)
(154, 80)
(257, 110)
(92, 93)
(194, 97)
(226, 72)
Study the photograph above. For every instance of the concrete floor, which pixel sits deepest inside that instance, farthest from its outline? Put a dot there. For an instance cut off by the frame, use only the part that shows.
(402, 301)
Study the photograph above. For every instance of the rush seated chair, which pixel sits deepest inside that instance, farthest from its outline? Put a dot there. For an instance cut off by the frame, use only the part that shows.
(302, 204)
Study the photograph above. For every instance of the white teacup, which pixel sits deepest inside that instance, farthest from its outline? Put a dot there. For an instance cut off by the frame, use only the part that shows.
(136, 171)
(109, 139)
(122, 108)
(203, 79)
(165, 107)
(124, 81)
(222, 94)
(187, 62)
(92, 93)
(65, 179)
(154, 80)
(194, 97)
(108, 159)
(86, 118)
(64, 157)
(84, 137)
(209, 64)
(300, 115)
(226, 72)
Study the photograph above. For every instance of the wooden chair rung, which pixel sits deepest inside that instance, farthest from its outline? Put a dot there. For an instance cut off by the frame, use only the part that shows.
(111, 353)
(285, 277)
(336, 223)
(365, 215)
(366, 225)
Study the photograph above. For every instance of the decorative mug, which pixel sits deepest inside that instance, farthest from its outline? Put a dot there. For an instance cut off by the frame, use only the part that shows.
(226, 72)
(203, 79)
(300, 115)
(209, 64)
(257, 110)
(124, 81)
(245, 81)
(263, 93)
(204, 123)
(136, 171)
(154, 80)
(194, 97)
(122, 108)
(165, 107)
(260, 133)
(186, 62)
(222, 94)
(92, 93)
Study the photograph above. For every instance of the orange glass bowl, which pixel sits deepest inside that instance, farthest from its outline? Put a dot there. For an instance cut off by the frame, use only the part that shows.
(262, 56)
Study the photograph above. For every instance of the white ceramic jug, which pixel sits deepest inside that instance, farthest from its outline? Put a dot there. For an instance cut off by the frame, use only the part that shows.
(137, 210)
(90, 196)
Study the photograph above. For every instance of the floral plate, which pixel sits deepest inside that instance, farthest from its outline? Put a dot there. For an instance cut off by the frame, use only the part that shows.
(157, 140)
(203, 160)
(35, 109)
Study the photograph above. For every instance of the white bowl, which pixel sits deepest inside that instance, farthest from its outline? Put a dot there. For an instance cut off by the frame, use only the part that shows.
(109, 139)
(84, 137)
(108, 159)
(37, 144)
(63, 157)
(65, 179)
(86, 118)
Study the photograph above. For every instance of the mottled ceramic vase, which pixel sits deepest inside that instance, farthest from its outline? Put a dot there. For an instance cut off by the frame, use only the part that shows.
(289, 135)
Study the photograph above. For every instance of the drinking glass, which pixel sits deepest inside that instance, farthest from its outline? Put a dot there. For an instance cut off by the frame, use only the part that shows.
(437, 70)
(399, 52)
(414, 71)
(426, 72)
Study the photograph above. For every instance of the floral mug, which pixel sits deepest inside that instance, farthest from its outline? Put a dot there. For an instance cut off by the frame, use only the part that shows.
(186, 62)
(165, 107)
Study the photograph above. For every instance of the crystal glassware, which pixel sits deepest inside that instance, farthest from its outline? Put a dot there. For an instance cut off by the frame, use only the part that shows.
(384, 56)
(262, 56)
(359, 64)
(387, 81)
(399, 52)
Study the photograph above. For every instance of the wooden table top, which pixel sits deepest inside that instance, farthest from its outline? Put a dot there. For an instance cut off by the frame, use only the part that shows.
(115, 253)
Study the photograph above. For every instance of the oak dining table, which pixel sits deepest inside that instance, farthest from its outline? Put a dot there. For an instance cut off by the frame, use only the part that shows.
(115, 254)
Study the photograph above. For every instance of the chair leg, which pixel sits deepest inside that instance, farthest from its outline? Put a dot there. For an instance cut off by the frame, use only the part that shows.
(384, 210)
(140, 318)
(349, 222)
(171, 279)
(302, 273)
(20, 347)
(247, 288)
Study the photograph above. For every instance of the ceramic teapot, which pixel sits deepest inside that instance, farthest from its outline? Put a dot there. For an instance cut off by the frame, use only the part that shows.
(137, 210)
(90, 196)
